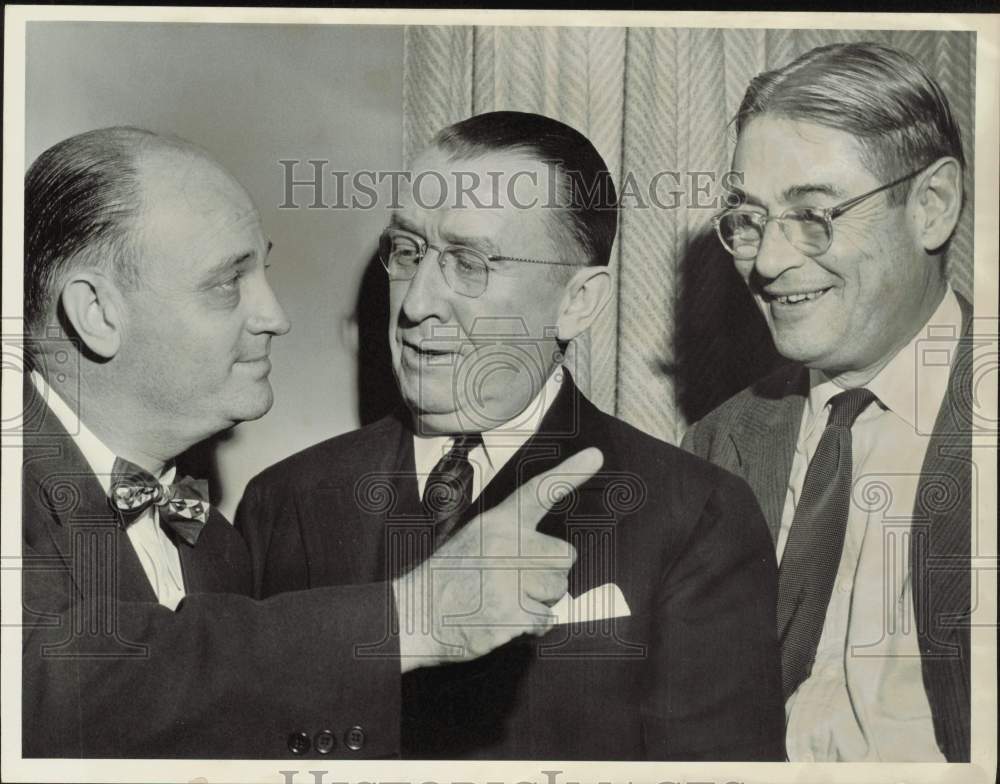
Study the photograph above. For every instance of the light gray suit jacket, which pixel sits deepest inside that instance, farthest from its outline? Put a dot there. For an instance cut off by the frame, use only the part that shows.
(753, 434)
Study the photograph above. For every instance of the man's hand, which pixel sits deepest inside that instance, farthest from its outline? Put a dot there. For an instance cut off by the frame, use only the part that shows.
(495, 579)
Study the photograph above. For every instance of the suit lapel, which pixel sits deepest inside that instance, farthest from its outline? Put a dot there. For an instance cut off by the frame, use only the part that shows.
(409, 534)
(566, 428)
(56, 469)
(553, 440)
(375, 492)
(940, 547)
(949, 457)
(942, 509)
(219, 563)
(764, 437)
(569, 425)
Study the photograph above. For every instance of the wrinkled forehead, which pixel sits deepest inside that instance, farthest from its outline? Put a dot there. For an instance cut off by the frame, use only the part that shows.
(494, 182)
(777, 155)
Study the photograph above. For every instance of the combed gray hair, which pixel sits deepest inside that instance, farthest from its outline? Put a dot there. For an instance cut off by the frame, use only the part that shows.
(881, 96)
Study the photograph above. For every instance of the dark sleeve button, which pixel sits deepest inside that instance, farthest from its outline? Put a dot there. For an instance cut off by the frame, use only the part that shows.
(298, 743)
(354, 738)
(324, 742)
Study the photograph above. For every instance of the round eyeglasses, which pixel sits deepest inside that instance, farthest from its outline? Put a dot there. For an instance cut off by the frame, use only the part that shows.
(807, 229)
(465, 270)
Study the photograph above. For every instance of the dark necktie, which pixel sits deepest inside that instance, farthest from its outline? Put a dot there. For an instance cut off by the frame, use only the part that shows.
(183, 506)
(448, 492)
(816, 540)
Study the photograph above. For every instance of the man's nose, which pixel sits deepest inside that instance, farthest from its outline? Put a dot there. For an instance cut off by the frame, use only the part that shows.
(776, 254)
(428, 292)
(267, 315)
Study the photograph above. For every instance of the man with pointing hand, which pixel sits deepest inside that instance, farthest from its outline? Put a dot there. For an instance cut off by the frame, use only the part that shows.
(149, 319)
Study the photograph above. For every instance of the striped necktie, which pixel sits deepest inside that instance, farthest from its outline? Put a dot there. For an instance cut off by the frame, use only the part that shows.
(448, 492)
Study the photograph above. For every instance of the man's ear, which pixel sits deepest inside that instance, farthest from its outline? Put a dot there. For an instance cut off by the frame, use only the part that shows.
(93, 306)
(938, 203)
(586, 294)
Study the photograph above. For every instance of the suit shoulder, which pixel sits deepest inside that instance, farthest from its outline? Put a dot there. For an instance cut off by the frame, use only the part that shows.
(347, 452)
(680, 485)
(636, 450)
(777, 384)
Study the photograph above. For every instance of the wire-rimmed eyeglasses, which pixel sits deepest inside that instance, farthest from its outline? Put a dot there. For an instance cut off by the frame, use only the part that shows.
(465, 270)
(808, 229)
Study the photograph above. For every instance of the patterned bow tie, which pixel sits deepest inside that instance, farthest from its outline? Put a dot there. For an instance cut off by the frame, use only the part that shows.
(183, 506)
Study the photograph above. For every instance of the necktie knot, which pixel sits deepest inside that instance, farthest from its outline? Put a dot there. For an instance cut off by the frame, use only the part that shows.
(465, 443)
(183, 506)
(448, 492)
(846, 407)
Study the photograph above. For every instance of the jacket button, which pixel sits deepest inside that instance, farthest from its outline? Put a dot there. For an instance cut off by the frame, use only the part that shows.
(298, 743)
(354, 738)
(324, 742)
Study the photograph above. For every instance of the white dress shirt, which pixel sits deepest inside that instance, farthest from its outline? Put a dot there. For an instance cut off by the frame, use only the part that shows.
(865, 698)
(157, 553)
(499, 444)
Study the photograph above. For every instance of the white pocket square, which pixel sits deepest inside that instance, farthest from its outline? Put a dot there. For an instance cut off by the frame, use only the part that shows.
(598, 604)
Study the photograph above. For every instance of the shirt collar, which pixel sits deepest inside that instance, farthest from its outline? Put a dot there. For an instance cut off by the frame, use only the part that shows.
(902, 386)
(100, 459)
(506, 438)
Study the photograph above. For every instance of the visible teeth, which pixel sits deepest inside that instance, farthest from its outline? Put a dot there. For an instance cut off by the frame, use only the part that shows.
(793, 299)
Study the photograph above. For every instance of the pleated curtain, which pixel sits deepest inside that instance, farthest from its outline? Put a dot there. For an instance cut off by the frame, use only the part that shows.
(682, 334)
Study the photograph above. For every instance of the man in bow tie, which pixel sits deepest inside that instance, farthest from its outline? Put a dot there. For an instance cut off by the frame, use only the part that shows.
(496, 258)
(149, 322)
(859, 448)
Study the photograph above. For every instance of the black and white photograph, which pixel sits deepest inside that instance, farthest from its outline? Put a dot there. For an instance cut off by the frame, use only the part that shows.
(425, 397)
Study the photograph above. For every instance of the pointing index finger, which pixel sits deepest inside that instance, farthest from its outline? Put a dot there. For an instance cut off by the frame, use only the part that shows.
(538, 497)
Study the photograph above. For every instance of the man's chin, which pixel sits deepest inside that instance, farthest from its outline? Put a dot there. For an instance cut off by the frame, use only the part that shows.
(435, 424)
(807, 353)
(439, 421)
(254, 406)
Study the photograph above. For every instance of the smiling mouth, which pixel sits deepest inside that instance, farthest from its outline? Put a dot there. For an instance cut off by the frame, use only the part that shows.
(797, 298)
(427, 351)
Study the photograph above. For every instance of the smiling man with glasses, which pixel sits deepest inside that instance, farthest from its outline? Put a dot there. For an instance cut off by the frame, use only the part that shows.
(665, 646)
(858, 450)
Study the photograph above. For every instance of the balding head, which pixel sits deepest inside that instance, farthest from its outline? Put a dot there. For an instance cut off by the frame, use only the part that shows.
(151, 258)
(82, 198)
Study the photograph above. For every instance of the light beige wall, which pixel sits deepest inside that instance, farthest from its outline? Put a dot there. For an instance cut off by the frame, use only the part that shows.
(251, 95)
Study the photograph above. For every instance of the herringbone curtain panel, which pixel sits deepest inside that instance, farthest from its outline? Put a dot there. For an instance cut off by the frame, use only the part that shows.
(682, 334)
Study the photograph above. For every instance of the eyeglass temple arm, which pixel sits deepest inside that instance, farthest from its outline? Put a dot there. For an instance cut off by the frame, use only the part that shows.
(533, 261)
(840, 209)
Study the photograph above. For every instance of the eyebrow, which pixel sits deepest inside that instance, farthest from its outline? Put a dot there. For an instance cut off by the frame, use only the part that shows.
(472, 241)
(234, 261)
(791, 194)
(796, 192)
(479, 243)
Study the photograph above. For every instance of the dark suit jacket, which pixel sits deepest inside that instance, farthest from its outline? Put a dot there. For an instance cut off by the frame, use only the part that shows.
(754, 434)
(693, 673)
(109, 672)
